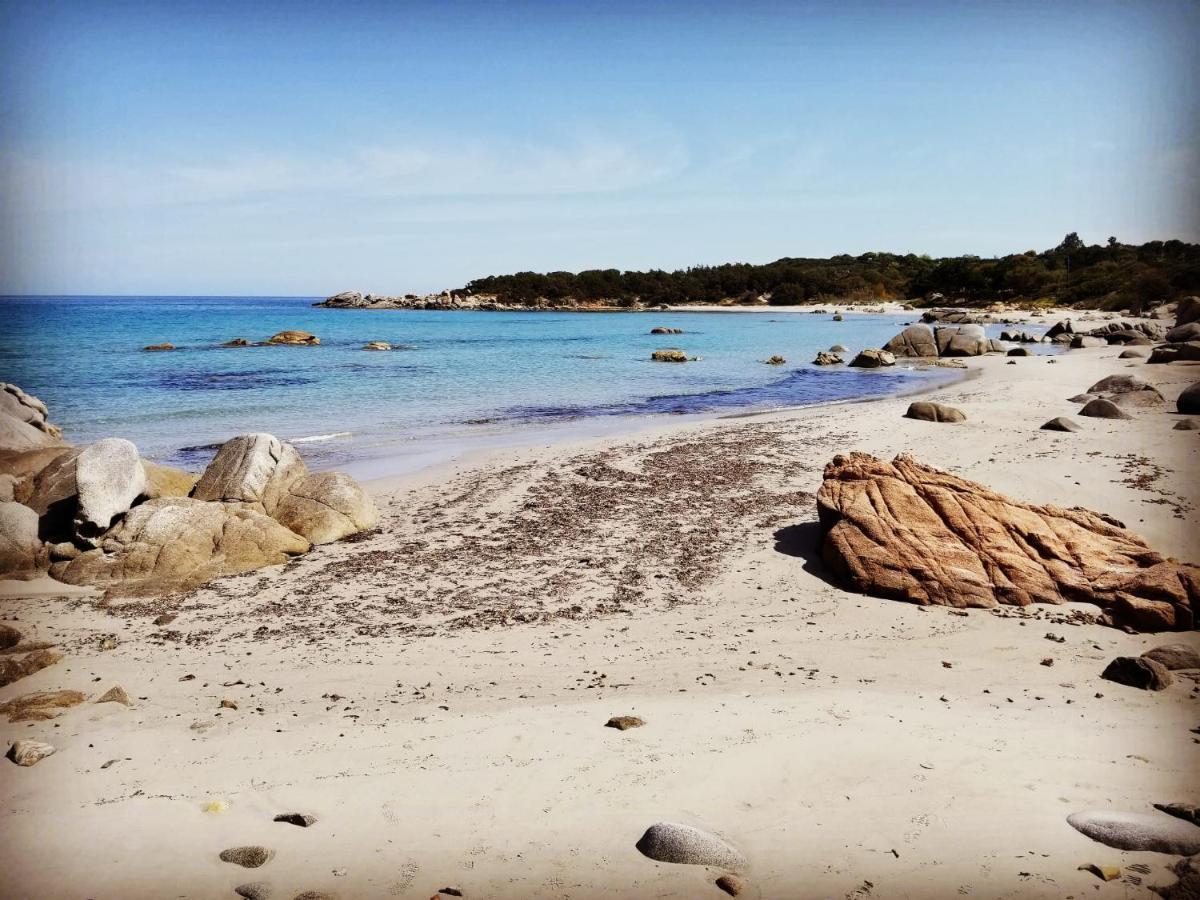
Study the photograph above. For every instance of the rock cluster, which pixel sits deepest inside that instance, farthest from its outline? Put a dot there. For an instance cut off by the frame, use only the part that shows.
(923, 342)
(873, 359)
(100, 515)
(906, 531)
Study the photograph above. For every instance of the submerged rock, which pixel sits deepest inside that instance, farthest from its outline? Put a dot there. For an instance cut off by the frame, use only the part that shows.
(293, 337)
(669, 355)
(377, 345)
(153, 348)
(827, 359)
(906, 531)
(673, 843)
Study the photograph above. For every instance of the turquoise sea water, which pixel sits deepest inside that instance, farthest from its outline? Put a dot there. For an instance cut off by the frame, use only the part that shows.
(464, 378)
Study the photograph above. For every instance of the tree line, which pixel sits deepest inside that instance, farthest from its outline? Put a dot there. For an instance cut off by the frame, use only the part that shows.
(1111, 276)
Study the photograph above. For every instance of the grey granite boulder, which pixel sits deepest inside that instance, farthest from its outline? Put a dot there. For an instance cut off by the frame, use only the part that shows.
(1103, 409)
(253, 469)
(1060, 423)
(913, 341)
(873, 359)
(1156, 832)
(962, 340)
(108, 478)
(20, 548)
(673, 843)
(325, 507)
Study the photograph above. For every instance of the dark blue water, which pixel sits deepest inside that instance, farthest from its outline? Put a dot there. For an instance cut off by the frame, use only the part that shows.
(459, 373)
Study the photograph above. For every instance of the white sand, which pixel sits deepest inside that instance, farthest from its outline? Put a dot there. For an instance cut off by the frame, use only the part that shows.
(814, 729)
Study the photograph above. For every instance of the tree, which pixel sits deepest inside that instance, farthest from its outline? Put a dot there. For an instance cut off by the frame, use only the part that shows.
(1112, 242)
(1071, 243)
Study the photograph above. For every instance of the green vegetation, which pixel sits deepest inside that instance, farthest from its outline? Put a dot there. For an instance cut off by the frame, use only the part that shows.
(1114, 276)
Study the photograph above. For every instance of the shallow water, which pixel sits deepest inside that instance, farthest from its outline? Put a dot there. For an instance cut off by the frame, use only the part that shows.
(462, 378)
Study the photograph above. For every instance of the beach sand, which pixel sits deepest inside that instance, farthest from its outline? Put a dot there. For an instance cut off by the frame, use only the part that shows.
(436, 693)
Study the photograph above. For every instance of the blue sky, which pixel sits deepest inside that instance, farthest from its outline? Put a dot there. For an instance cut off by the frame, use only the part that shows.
(307, 148)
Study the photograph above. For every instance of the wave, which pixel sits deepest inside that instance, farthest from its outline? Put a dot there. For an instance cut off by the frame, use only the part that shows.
(317, 438)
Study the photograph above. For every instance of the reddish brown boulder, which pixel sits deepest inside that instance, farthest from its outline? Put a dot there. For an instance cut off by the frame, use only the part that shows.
(907, 531)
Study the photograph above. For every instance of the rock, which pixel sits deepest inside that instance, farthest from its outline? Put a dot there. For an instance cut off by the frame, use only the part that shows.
(1189, 331)
(1104, 873)
(167, 481)
(1189, 400)
(624, 723)
(906, 531)
(662, 330)
(1189, 812)
(293, 337)
(1188, 310)
(1188, 351)
(377, 345)
(1138, 672)
(115, 694)
(934, 412)
(1188, 885)
(177, 543)
(669, 355)
(325, 507)
(1060, 423)
(296, 819)
(20, 548)
(451, 891)
(731, 884)
(1063, 327)
(315, 895)
(1081, 341)
(1187, 425)
(29, 753)
(24, 421)
(775, 360)
(873, 359)
(1119, 384)
(9, 488)
(54, 496)
(913, 341)
(1138, 399)
(1131, 354)
(255, 469)
(827, 359)
(227, 704)
(838, 348)
(254, 890)
(164, 619)
(108, 478)
(40, 706)
(683, 844)
(1081, 398)
(837, 317)
(1020, 351)
(247, 857)
(9, 636)
(157, 347)
(1103, 409)
(237, 342)
(14, 667)
(961, 340)
(1175, 656)
(1138, 831)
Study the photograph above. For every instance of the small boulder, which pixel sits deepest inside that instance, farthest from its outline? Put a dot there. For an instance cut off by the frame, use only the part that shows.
(1060, 423)
(1175, 656)
(115, 694)
(167, 481)
(1131, 354)
(254, 890)
(962, 340)
(9, 636)
(1020, 351)
(40, 706)
(20, 547)
(873, 359)
(294, 337)
(827, 359)
(1189, 400)
(1103, 409)
(624, 723)
(669, 355)
(731, 884)
(837, 317)
(1119, 384)
(377, 345)
(838, 348)
(1138, 831)
(1138, 672)
(108, 478)
(775, 360)
(299, 819)
(255, 469)
(913, 341)
(1189, 331)
(29, 753)
(927, 411)
(247, 857)
(662, 330)
(673, 843)
(325, 507)
(14, 667)
(237, 342)
(1187, 425)
(1082, 341)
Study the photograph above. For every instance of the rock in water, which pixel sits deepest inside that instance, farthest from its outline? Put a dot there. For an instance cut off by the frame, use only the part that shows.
(913, 341)
(1103, 409)
(20, 547)
(251, 468)
(961, 340)
(906, 531)
(108, 477)
(669, 355)
(838, 348)
(673, 843)
(377, 345)
(1060, 423)
(155, 348)
(776, 360)
(247, 857)
(1189, 400)
(29, 753)
(824, 358)
(1138, 831)
(873, 359)
(327, 506)
(1138, 672)
(176, 543)
(293, 337)
(926, 411)
(1175, 656)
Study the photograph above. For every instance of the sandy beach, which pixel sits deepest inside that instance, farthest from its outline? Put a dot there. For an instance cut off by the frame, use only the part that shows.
(435, 692)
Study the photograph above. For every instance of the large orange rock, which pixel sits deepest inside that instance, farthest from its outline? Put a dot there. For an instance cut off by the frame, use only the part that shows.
(907, 531)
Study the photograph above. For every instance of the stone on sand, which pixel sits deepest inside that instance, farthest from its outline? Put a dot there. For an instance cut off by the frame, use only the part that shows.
(1138, 831)
(9, 636)
(1175, 656)
(624, 723)
(251, 468)
(1139, 672)
(731, 884)
(1101, 408)
(299, 819)
(108, 478)
(1189, 812)
(1060, 423)
(20, 547)
(40, 706)
(1020, 351)
(1131, 354)
(1189, 400)
(177, 543)
(906, 531)
(250, 857)
(29, 753)
(325, 507)
(1187, 425)
(14, 667)
(674, 843)
(927, 411)
(254, 890)
(115, 694)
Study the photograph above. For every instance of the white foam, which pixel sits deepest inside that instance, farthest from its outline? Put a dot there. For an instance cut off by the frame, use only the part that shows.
(314, 438)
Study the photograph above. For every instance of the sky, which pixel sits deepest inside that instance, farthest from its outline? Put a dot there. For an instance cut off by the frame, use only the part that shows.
(306, 148)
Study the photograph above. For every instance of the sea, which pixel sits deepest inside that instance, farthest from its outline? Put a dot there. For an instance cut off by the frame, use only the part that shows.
(457, 380)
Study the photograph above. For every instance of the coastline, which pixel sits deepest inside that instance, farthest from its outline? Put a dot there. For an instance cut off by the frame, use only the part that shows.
(435, 693)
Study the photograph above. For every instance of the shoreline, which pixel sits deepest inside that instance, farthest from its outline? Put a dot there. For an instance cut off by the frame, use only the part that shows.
(436, 692)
